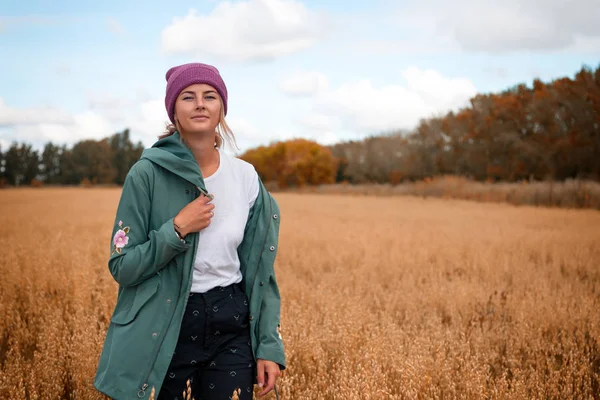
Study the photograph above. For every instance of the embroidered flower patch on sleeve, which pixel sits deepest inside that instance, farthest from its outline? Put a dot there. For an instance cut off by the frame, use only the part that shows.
(120, 239)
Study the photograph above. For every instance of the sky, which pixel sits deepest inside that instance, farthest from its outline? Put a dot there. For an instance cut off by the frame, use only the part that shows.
(323, 70)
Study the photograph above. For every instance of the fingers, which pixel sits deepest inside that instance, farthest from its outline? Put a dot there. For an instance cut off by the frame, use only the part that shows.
(204, 207)
(260, 373)
(199, 213)
(204, 203)
(209, 211)
(270, 385)
(203, 199)
(272, 372)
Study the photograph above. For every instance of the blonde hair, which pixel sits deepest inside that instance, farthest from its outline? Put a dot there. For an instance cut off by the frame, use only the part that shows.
(223, 131)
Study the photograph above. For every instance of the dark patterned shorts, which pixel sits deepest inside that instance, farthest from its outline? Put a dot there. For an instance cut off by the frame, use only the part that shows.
(214, 351)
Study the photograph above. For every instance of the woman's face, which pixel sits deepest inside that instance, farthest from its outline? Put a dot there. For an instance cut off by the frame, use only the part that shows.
(198, 109)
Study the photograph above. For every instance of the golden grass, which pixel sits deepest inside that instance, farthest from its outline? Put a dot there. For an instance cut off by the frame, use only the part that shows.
(566, 194)
(383, 298)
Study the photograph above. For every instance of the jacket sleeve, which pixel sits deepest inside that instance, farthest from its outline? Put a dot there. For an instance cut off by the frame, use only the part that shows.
(270, 346)
(137, 253)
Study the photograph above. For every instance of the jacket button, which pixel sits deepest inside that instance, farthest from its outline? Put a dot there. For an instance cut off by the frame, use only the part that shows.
(154, 334)
(275, 216)
(168, 300)
(272, 248)
(251, 318)
(262, 284)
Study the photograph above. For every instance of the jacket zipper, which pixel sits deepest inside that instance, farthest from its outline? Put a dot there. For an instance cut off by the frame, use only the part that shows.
(144, 386)
(204, 192)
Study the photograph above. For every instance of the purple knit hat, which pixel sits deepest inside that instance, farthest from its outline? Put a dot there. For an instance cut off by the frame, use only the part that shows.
(182, 76)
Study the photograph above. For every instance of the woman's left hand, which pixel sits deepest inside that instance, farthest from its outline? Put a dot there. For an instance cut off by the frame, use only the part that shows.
(269, 370)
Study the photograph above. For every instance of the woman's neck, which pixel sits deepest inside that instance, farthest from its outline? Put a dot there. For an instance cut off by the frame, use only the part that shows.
(205, 153)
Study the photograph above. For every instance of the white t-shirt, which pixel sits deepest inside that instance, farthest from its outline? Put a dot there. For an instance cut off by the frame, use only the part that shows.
(235, 187)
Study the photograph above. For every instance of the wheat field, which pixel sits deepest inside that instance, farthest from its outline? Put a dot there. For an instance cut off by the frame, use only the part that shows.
(382, 298)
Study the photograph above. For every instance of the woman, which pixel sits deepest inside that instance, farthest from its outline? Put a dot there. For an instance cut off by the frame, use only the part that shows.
(193, 247)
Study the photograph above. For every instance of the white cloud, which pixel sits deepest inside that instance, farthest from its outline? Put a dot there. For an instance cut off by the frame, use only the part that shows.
(89, 124)
(244, 127)
(584, 44)
(110, 106)
(85, 125)
(148, 120)
(420, 43)
(40, 125)
(511, 25)
(245, 30)
(305, 83)
(144, 115)
(115, 26)
(247, 135)
(364, 108)
(31, 116)
(328, 138)
(439, 92)
(320, 123)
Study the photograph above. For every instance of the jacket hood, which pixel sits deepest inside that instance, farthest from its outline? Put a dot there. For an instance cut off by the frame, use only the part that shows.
(174, 156)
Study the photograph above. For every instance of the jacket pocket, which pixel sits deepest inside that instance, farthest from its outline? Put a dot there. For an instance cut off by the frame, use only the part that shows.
(143, 293)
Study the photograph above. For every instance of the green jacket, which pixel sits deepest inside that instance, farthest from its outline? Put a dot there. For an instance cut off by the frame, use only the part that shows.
(154, 271)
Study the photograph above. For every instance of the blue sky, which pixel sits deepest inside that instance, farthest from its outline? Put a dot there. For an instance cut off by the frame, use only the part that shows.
(324, 70)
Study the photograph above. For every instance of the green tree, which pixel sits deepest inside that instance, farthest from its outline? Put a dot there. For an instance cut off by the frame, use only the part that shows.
(2, 169)
(51, 163)
(92, 160)
(21, 164)
(124, 154)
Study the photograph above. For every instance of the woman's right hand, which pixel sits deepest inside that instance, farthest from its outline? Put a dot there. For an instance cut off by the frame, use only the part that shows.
(195, 216)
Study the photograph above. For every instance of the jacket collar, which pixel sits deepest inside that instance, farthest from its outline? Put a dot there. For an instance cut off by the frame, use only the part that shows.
(175, 156)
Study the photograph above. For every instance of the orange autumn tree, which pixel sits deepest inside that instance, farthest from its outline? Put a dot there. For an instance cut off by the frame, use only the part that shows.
(293, 163)
(546, 130)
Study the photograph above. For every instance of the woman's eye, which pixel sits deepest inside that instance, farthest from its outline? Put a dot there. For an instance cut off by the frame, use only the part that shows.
(210, 97)
(187, 98)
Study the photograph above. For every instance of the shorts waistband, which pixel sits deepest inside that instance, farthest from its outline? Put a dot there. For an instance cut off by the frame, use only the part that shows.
(219, 291)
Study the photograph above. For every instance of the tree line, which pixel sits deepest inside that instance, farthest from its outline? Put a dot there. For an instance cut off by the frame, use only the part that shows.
(546, 131)
(105, 161)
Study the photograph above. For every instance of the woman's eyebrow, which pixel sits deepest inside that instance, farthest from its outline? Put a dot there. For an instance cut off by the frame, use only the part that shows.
(194, 93)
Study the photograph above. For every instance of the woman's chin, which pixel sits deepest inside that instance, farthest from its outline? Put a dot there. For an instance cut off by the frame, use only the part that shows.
(199, 130)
